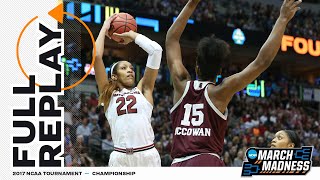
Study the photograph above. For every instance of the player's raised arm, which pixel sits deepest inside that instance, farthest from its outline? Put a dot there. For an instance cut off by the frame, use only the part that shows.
(154, 51)
(99, 68)
(178, 72)
(266, 55)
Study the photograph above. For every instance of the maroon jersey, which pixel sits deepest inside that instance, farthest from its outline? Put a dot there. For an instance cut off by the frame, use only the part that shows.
(198, 126)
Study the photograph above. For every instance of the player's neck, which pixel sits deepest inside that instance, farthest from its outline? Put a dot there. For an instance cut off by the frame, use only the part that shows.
(124, 87)
(211, 81)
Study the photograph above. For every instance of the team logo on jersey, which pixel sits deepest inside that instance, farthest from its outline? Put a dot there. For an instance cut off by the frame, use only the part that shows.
(271, 161)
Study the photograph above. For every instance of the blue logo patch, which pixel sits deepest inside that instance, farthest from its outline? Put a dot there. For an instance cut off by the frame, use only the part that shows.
(252, 154)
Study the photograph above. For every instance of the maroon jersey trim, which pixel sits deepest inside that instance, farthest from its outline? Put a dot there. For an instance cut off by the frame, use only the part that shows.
(181, 159)
(180, 100)
(223, 116)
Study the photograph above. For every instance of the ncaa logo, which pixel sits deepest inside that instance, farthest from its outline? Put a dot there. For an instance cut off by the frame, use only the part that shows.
(252, 154)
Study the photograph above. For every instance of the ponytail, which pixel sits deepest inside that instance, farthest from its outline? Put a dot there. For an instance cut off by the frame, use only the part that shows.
(294, 138)
(105, 97)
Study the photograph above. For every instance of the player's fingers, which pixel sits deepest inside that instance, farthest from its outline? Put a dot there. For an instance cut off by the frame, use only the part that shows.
(119, 35)
(296, 3)
(107, 34)
(296, 9)
(290, 2)
(123, 43)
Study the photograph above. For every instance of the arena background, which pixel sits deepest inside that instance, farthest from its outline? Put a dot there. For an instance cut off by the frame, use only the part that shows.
(286, 96)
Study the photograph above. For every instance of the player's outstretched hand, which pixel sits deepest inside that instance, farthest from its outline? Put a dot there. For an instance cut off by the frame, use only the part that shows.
(106, 24)
(127, 37)
(289, 9)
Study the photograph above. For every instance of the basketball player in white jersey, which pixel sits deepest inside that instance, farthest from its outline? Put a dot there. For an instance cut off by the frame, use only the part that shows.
(129, 108)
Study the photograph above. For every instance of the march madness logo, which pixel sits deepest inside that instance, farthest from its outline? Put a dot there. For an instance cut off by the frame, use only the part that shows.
(267, 161)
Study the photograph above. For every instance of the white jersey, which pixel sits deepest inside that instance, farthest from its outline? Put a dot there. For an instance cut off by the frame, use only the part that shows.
(129, 115)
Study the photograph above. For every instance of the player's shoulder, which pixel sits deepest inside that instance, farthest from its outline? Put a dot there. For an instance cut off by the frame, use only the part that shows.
(216, 97)
(214, 91)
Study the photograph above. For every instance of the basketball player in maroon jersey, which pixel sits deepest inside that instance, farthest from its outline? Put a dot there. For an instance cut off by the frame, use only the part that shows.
(200, 112)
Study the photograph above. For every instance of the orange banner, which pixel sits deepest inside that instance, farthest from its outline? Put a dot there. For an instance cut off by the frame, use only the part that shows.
(301, 45)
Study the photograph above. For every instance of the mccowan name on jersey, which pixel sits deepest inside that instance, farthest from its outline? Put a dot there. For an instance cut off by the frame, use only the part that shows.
(180, 131)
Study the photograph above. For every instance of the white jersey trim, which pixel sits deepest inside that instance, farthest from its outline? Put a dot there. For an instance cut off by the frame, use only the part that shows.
(145, 98)
(197, 82)
(177, 160)
(106, 113)
(223, 116)
(183, 95)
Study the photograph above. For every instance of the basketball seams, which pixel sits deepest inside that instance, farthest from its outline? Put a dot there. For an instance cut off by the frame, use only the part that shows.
(118, 28)
(132, 29)
(125, 27)
(125, 21)
(131, 17)
(132, 24)
(120, 16)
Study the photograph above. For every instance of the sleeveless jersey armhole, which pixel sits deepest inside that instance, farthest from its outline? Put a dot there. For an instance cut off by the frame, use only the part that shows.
(223, 116)
(149, 104)
(183, 95)
(106, 112)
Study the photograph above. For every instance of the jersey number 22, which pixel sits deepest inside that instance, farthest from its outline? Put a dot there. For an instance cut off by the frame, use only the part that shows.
(132, 101)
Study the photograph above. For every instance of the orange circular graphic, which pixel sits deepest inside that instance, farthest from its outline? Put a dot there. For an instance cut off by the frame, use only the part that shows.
(93, 56)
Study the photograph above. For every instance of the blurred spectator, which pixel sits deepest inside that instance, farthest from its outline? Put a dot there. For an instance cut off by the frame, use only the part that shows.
(84, 130)
(93, 101)
(239, 159)
(107, 143)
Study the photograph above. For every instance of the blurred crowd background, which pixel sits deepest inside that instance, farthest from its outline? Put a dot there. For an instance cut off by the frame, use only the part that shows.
(245, 14)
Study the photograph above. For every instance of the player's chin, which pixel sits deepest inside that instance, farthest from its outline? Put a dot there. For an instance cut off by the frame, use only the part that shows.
(129, 82)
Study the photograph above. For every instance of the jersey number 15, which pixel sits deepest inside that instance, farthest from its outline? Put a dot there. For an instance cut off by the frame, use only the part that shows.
(195, 111)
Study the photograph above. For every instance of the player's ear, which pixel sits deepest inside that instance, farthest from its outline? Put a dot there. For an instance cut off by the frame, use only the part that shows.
(291, 145)
(114, 77)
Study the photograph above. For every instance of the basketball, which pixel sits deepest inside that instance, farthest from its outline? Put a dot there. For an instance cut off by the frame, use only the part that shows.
(124, 22)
